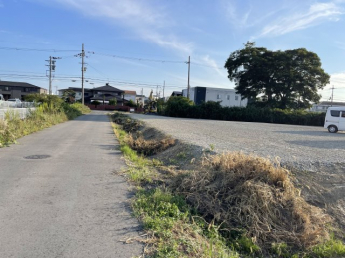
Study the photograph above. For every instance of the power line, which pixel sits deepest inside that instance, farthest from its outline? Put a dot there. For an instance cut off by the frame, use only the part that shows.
(37, 49)
(77, 78)
(136, 58)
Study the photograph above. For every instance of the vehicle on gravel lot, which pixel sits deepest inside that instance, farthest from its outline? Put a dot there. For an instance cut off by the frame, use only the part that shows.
(335, 119)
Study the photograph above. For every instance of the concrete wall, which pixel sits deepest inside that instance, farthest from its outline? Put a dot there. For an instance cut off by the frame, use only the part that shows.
(22, 112)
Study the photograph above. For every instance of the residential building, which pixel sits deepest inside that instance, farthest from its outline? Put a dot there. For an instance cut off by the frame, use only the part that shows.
(130, 95)
(87, 92)
(176, 93)
(140, 99)
(18, 90)
(323, 105)
(227, 97)
(102, 94)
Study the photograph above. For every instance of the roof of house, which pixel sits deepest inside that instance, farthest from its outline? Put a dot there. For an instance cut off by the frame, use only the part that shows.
(107, 98)
(74, 89)
(329, 103)
(107, 87)
(176, 93)
(131, 92)
(17, 84)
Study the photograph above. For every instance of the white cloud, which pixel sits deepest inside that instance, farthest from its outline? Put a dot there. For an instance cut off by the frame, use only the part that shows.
(149, 22)
(316, 14)
(234, 16)
(211, 63)
(338, 81)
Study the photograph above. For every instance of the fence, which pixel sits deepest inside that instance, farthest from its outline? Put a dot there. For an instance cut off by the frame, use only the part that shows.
(22, 108)
(13, 104)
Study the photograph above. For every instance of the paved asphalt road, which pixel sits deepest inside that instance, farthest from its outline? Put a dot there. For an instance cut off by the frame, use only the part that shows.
(70, 204)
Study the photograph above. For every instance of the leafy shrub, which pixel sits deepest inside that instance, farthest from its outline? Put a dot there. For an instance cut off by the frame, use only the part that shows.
(182, 107)
(131, 103)
(178, 107)
(113, 102)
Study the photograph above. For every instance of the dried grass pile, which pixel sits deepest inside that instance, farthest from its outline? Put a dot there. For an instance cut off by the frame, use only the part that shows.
(254, 194)
(149, 147)
(128, 124)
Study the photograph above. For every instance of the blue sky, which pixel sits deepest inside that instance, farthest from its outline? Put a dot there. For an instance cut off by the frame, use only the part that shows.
(137, 44)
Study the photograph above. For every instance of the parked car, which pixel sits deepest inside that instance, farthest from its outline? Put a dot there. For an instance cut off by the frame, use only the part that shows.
(335, 119)
(16, 102)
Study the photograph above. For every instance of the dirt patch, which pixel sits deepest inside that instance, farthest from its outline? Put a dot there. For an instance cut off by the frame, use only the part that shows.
(325, 187)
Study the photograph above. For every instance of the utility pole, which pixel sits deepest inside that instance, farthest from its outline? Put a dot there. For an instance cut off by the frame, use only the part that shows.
(163, 89)
(82, 74)
(51, 69)
(332, 95)
(56, 91)
(157, 92)
(50, 75)
(188, 86)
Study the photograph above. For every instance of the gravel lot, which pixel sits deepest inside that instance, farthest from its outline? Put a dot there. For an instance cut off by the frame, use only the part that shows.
(303, 146)
(317, 154)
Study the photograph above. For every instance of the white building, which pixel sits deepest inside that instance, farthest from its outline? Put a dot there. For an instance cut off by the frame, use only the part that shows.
(141, 99)
(130, 95)
(227, 97)
(322, 106)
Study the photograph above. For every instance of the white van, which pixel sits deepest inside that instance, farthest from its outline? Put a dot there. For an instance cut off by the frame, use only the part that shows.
(335, 119)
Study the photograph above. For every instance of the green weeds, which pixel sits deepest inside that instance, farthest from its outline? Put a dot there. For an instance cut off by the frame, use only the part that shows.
(331, 248)
(47, 114)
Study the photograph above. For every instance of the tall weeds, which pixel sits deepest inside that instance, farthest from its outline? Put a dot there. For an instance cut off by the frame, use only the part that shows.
(46, 115)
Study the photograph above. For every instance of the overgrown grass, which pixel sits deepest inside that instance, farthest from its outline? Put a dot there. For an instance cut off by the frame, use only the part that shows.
(232, 205)
(46, 115)
(174, 231)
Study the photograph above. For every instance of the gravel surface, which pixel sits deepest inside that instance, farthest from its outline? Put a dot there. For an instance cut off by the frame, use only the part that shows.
(306, 147)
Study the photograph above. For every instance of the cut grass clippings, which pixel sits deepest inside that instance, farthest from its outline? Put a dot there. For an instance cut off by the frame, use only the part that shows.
(231, 203)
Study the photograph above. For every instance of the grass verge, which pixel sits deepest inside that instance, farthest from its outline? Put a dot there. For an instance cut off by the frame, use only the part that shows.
(173, 227)
(13, 127)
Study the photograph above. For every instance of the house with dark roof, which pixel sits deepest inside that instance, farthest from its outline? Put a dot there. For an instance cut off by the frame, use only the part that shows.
(176, 93)
(18, 90)
(106, 93)
(102, 94)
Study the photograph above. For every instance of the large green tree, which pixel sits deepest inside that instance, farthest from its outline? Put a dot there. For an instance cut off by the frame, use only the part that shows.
(283, 79)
